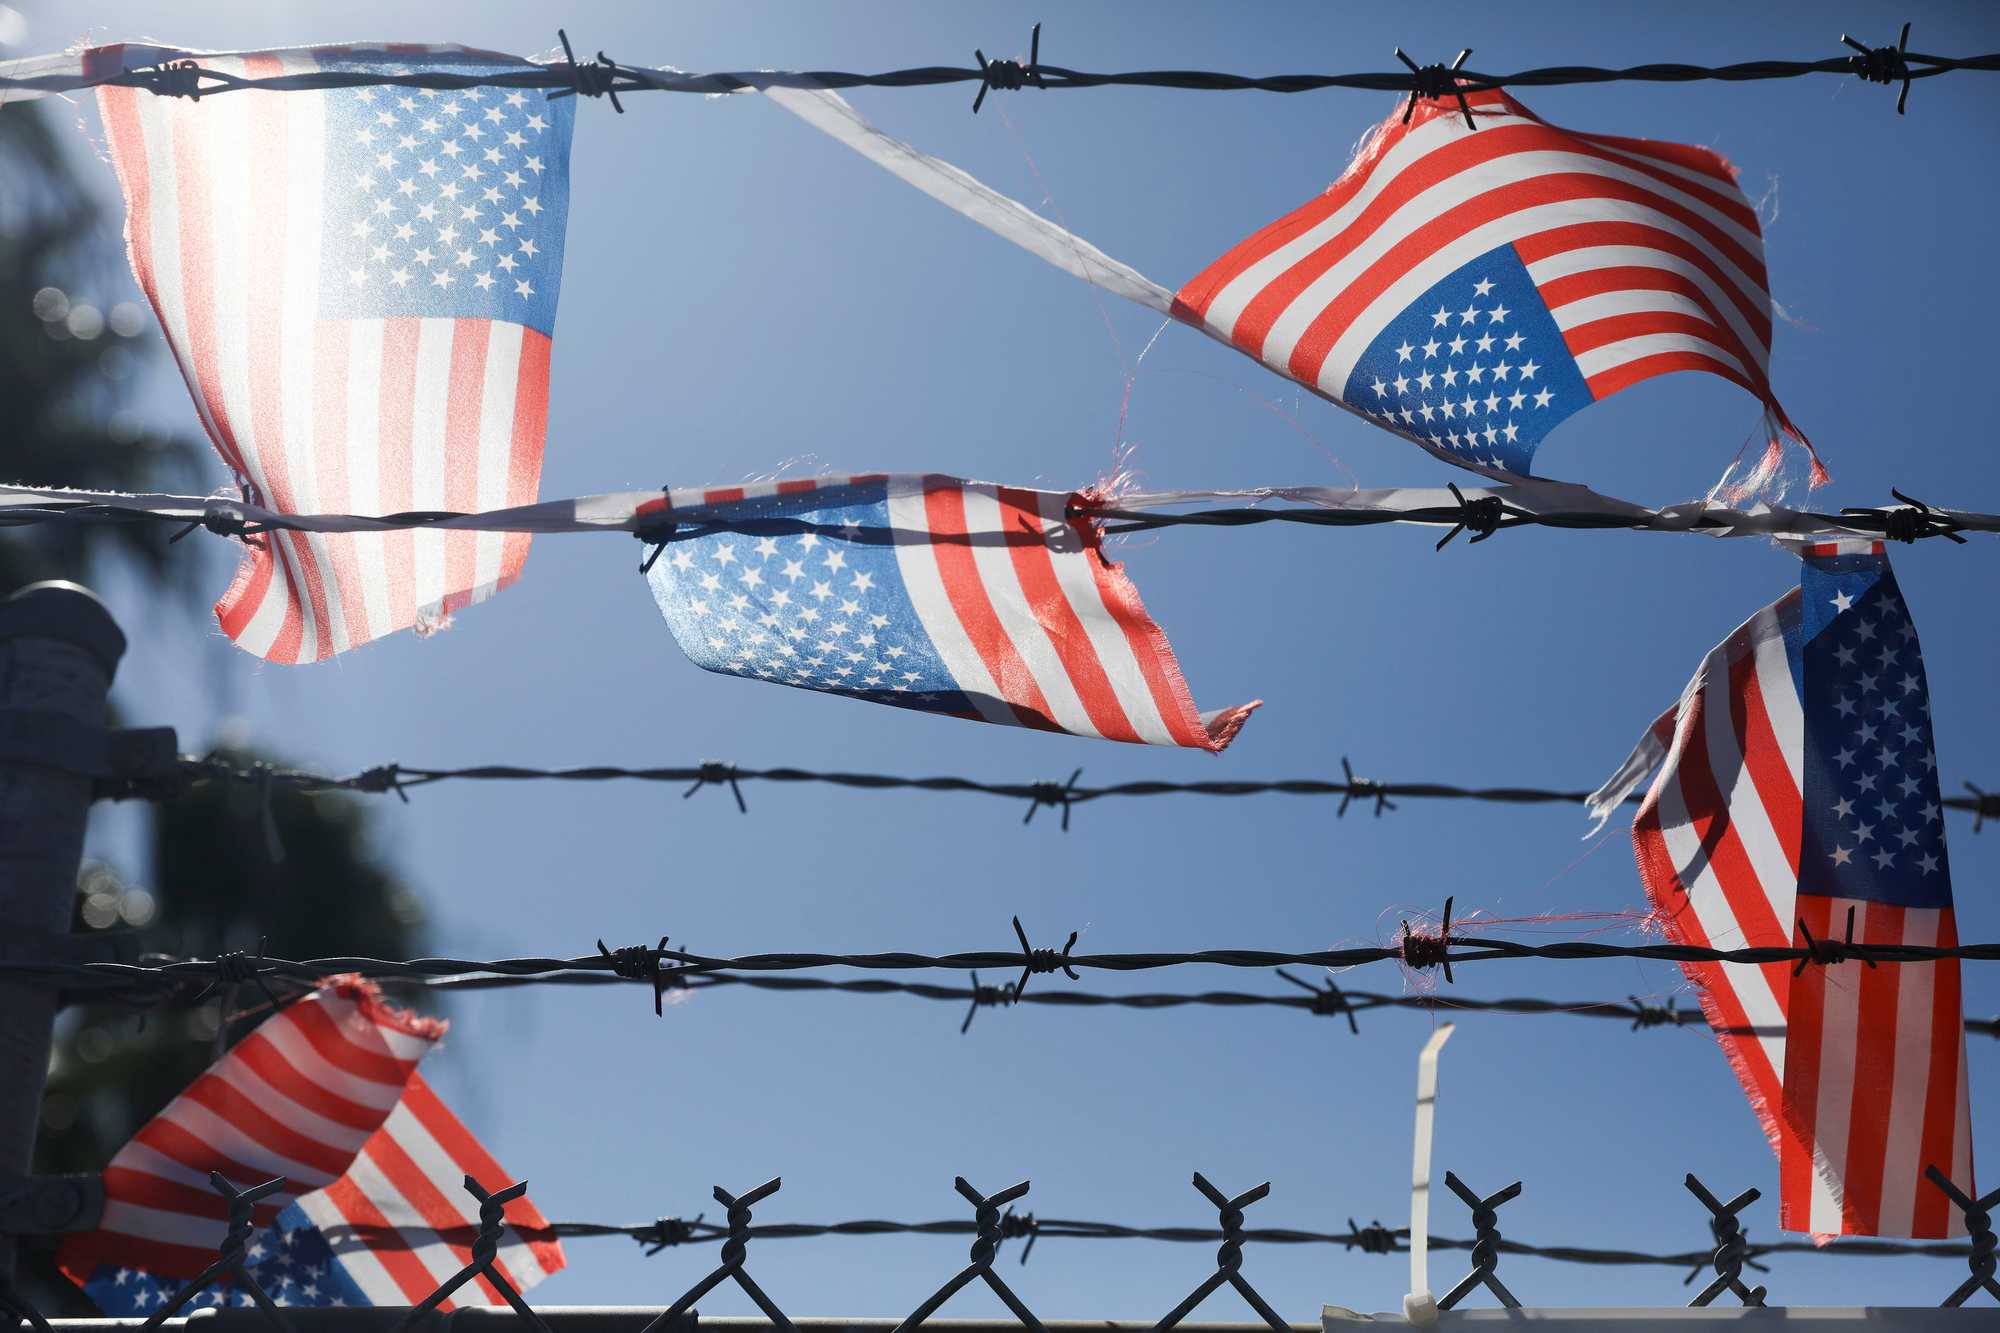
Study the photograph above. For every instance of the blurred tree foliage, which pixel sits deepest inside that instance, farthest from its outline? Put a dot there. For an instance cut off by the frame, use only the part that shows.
(68, 372)
(68, 366)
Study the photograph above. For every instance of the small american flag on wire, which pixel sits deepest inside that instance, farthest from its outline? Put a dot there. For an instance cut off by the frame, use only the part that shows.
(978, 601)
(1470, 289)
(359, 286)
(1797, 791)
(326, 1094)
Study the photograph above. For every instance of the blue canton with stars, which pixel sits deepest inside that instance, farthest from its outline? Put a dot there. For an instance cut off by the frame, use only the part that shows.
(1874, 829)
(802, 589)
(446, 205)
(1476, 366)
(290, 1259)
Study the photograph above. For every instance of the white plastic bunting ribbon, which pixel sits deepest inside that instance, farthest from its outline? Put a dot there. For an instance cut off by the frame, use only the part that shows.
(1010, 219)
(1420, 1307)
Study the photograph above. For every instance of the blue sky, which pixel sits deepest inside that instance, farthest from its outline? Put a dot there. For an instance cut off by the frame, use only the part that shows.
(744, 297)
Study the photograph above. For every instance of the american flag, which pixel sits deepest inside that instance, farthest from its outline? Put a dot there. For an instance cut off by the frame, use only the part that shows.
(1797, 783)
(964, 598)
(326, 1094)
(359, 286)
(1469, 289)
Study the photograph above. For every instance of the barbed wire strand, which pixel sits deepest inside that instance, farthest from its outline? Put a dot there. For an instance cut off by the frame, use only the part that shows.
(668, 1232)
(400, 778)
(1417, 949)
(1326, 1000)
(1481, 513)
(1887, 65)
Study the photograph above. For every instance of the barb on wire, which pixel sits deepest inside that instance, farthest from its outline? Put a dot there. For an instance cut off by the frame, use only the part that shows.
(1009, 75)
(400, 778)
(591, 78)
(1431, 83)
(1883, 65)
(1326, 1001)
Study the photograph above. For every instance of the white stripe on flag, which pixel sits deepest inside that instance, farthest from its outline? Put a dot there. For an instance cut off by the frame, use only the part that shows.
(496, 441)
(1779, 692)
(427, 454)
(1902, 1147)
(364, 477)
(1839, 1035)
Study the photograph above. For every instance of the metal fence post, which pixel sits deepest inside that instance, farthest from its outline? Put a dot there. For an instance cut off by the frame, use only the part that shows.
(59, 648)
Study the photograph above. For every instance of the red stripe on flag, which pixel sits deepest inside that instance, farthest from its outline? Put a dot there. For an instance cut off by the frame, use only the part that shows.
(1806, 1021)
(796, 487)
(461, 452)
(1874, 1056)
(524, 471)
(1935, 1216)
(944, 511)
(1021, 528)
